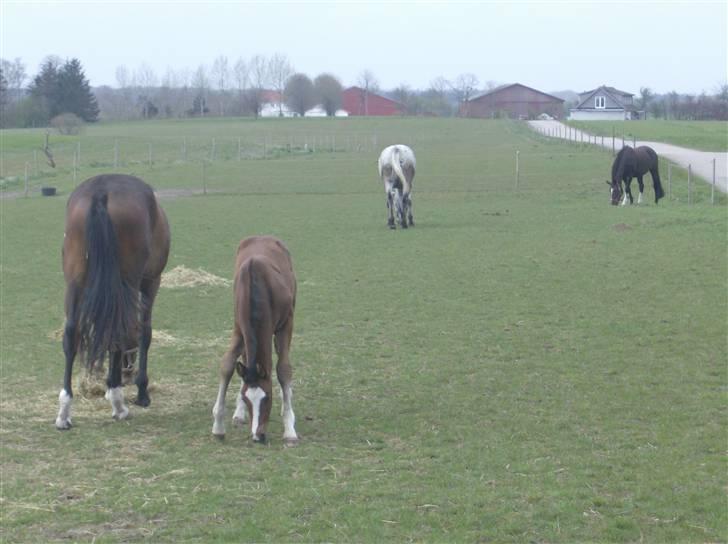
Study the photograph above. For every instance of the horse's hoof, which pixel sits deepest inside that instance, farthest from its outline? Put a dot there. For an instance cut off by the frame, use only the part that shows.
(144, 401)
(63, 425)
(121, 416)
(290, 442)
(219, 437)
(392, 226)
(238, 422)
(260, 439)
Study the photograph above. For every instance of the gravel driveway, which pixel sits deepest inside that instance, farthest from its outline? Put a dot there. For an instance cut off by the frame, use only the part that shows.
(701, 162)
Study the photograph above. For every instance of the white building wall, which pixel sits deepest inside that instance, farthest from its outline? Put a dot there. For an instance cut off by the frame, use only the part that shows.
(580, 115)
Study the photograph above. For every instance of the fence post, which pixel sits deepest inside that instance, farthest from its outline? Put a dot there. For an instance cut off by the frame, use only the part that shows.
(634, 142)
(518, 168)
(204, 178)
(690, 184)
(26, 179)
(184, 149)
(212, 151)
(116, 154)
(75, 168)
(239, 149)
(712, 187)
(613, 140)
(35, 162)
(669, 181)
(150, 154)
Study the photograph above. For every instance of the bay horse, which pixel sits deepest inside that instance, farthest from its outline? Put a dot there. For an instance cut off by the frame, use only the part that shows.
(115, 247)
(264, 292)
(397, 171)
(631, 163)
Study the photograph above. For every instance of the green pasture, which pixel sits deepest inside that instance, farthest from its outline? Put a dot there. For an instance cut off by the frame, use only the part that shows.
(526, 364)
(701, 135)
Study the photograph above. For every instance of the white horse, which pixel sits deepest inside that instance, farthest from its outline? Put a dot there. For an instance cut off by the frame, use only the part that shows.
(397, 170)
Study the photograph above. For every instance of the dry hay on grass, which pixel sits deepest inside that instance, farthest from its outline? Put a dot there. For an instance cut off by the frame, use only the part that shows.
(181, 276)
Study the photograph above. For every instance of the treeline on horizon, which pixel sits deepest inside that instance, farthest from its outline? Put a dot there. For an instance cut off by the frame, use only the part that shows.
(60, 90)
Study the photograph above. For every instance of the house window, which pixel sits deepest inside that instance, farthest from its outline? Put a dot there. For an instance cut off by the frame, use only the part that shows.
(600, 103)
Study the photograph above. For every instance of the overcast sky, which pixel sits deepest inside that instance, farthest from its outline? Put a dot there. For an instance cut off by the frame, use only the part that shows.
(552, 46)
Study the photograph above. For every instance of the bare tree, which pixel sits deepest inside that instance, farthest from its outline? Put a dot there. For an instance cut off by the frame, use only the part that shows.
(328, 93)
(15, 77)
(279, 70)
(241, 73)
(258, 70)
(201, 83)
(646, 95)
(300, 94)
(465, 86)
(403, 94)
(369, 83)
(220, 75)
(147, 81)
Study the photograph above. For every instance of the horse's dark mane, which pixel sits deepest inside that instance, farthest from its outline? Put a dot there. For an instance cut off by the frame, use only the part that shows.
(618, 164)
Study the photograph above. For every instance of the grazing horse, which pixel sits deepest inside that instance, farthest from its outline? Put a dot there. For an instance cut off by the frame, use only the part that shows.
(115, 246)
(397, 170)
(265, 299)
(631, 163)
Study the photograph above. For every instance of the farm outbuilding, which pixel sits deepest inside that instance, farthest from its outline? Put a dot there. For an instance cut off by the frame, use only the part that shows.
(358, 101)
(605, 104)
(515, 101)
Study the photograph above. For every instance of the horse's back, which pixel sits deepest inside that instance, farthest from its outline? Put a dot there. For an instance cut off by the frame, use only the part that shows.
(272, 258)
(140, 224)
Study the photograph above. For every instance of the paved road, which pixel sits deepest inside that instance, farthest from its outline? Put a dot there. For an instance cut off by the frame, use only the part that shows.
(701, 162)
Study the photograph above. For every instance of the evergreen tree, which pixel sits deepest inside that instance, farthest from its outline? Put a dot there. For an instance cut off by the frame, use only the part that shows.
(74, 92)
(44, 91)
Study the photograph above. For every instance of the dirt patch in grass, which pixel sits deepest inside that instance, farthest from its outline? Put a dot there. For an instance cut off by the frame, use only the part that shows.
(181, 276)
(622, 227)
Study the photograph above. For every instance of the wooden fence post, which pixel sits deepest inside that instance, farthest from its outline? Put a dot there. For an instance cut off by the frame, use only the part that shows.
(518, 168)
(204, 178)
(690, 184)
(712, 187)
(240, 148)
(116, 154)
(26, 179)
(669, 181)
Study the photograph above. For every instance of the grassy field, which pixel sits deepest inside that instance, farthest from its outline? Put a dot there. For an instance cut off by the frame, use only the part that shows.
(702, 135)
(525, 364)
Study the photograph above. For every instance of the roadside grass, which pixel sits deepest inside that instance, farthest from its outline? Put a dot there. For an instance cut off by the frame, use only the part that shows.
(530, 365)
(701, 135)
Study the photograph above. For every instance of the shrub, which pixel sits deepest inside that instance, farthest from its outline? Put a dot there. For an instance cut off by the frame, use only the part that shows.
(67, 123)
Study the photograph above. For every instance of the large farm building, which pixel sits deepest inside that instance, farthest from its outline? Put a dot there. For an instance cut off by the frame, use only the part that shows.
(516, 101)
(358, 101)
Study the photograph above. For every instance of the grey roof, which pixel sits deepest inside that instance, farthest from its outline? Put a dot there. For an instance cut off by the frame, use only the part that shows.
(614, 94)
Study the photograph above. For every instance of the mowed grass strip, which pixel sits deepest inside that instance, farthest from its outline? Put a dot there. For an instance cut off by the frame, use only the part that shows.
(522, 365)
(700, 135)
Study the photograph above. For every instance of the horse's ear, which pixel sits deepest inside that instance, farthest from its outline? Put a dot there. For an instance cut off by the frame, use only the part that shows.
(608, 183)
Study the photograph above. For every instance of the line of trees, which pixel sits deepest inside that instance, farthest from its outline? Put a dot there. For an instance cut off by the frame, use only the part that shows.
(243, 88)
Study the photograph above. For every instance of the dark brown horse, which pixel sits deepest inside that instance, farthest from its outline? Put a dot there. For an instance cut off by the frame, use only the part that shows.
(265, 299)
(115, 247)
(631, 163)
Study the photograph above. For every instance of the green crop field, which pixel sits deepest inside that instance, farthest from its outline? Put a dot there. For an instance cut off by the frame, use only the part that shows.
(702, 135)
(527, 364)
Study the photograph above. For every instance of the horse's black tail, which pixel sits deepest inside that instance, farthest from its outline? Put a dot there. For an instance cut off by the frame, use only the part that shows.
(255, 326)
(656, 183)
(109, 307)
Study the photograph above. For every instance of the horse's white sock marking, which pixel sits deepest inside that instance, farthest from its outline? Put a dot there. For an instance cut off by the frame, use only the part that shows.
(624, 200)
(63, 421)
(289, 418)
(241, 411)
(255, 395)
(639, 198)
(218, 412)
(115, 396)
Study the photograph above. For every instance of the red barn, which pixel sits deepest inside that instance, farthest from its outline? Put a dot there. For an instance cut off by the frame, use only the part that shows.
(357, 101)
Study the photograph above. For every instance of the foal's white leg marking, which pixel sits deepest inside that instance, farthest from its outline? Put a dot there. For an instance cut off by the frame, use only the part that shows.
(255, 395)
(119, 410)
(241, 411)
(639, 198)
(289, 418)
(218, 412)
(63, 421)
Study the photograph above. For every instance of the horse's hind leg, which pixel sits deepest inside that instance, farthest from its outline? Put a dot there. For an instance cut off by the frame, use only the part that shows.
(227, 367)
(642, 189)
(285, 375)
(70, 347)
(409, 210)
(657, 184)
(390, 210)
(148, 291)
(114, 390)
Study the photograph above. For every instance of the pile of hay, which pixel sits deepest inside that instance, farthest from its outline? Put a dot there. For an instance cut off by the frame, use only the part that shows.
(181, 276)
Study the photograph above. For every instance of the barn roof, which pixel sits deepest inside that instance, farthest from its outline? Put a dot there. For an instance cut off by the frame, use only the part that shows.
(508, 86)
